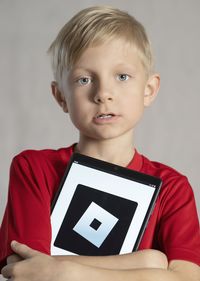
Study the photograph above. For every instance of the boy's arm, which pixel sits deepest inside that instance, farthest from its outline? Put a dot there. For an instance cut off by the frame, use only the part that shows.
(177, 271)
(139, 259)
(37, 266)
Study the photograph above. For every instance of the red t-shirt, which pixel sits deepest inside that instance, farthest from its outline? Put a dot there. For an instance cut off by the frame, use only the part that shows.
(34, 179)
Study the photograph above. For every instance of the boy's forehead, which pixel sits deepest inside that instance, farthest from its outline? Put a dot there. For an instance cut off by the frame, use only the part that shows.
(118, 52)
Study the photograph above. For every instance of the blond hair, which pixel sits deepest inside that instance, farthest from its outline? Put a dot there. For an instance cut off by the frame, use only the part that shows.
(93, 26)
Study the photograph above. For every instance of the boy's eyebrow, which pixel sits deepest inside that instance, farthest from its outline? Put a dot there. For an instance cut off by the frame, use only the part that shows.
(80, 68)
(131, 67)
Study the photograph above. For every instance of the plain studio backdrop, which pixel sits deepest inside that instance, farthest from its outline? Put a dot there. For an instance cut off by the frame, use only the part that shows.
(30, 118)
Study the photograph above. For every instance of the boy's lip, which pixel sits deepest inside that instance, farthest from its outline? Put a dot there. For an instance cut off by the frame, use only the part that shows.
(105, 117)
(100, 114)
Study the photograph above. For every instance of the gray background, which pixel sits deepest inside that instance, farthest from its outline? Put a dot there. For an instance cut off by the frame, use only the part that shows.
(29, 117)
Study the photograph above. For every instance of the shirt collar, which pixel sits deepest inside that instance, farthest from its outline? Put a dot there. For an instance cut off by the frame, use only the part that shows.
(136, 162)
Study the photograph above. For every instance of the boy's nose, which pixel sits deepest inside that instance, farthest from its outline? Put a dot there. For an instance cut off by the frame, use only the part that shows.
(102, 95)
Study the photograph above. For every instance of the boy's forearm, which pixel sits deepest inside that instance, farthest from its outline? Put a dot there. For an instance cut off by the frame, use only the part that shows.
(81, 272)
(126, 275)
(136, 260)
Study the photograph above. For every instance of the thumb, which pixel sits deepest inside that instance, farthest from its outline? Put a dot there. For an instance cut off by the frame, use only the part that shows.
(23, 250)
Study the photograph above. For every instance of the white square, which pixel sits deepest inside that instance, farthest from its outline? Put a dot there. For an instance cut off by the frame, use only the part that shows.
(83, 226)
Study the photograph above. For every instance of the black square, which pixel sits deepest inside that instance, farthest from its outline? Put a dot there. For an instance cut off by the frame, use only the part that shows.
(95, 224)
(122, 208)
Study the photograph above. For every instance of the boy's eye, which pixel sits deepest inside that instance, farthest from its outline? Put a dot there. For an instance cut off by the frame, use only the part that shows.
(123, 77)
(84, 80)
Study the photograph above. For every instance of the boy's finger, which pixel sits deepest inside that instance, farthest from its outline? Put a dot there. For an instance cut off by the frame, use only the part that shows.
(7, 271)
(23, 250)
(13, 258)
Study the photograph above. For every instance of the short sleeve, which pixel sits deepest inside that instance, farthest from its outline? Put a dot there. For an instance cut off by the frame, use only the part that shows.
(179, 232)
(27, 214)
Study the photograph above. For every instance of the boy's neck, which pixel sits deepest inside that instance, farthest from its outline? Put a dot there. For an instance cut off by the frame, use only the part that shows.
(107, 150)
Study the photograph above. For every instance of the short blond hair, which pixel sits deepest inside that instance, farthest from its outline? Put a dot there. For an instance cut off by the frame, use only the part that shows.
(93, 26)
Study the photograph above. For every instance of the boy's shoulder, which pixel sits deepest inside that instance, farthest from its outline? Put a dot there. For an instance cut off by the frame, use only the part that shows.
(45, 166)
(170, 177)
(38, 155)
(159, 167)
(42, 160)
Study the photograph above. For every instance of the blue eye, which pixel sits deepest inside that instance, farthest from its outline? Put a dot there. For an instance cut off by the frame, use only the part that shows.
(123, 77)
(84, 81)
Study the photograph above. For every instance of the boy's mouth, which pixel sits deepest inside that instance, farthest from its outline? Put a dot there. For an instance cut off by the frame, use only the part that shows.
(105, 115)
(104, 118)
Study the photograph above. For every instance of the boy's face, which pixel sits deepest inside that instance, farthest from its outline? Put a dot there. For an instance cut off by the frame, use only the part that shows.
(106, 90)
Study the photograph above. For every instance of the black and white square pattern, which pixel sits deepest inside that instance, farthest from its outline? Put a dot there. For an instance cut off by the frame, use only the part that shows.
(99, 217)
(95, 223)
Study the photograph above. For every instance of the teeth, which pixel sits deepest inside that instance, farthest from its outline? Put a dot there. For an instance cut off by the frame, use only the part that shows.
(102, 116)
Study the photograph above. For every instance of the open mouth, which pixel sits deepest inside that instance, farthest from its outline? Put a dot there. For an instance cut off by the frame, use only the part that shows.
(105, 116)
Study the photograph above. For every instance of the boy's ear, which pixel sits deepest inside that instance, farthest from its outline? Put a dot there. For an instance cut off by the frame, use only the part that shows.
(59, 96)
(151, 89)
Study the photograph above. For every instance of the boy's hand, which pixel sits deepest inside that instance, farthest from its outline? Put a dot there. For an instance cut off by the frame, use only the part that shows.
(34, 266)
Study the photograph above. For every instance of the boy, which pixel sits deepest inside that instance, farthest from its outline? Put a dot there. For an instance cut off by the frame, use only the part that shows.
(102, 65)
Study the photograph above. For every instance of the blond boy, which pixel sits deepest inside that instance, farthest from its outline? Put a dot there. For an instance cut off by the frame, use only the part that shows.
(104, 79)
